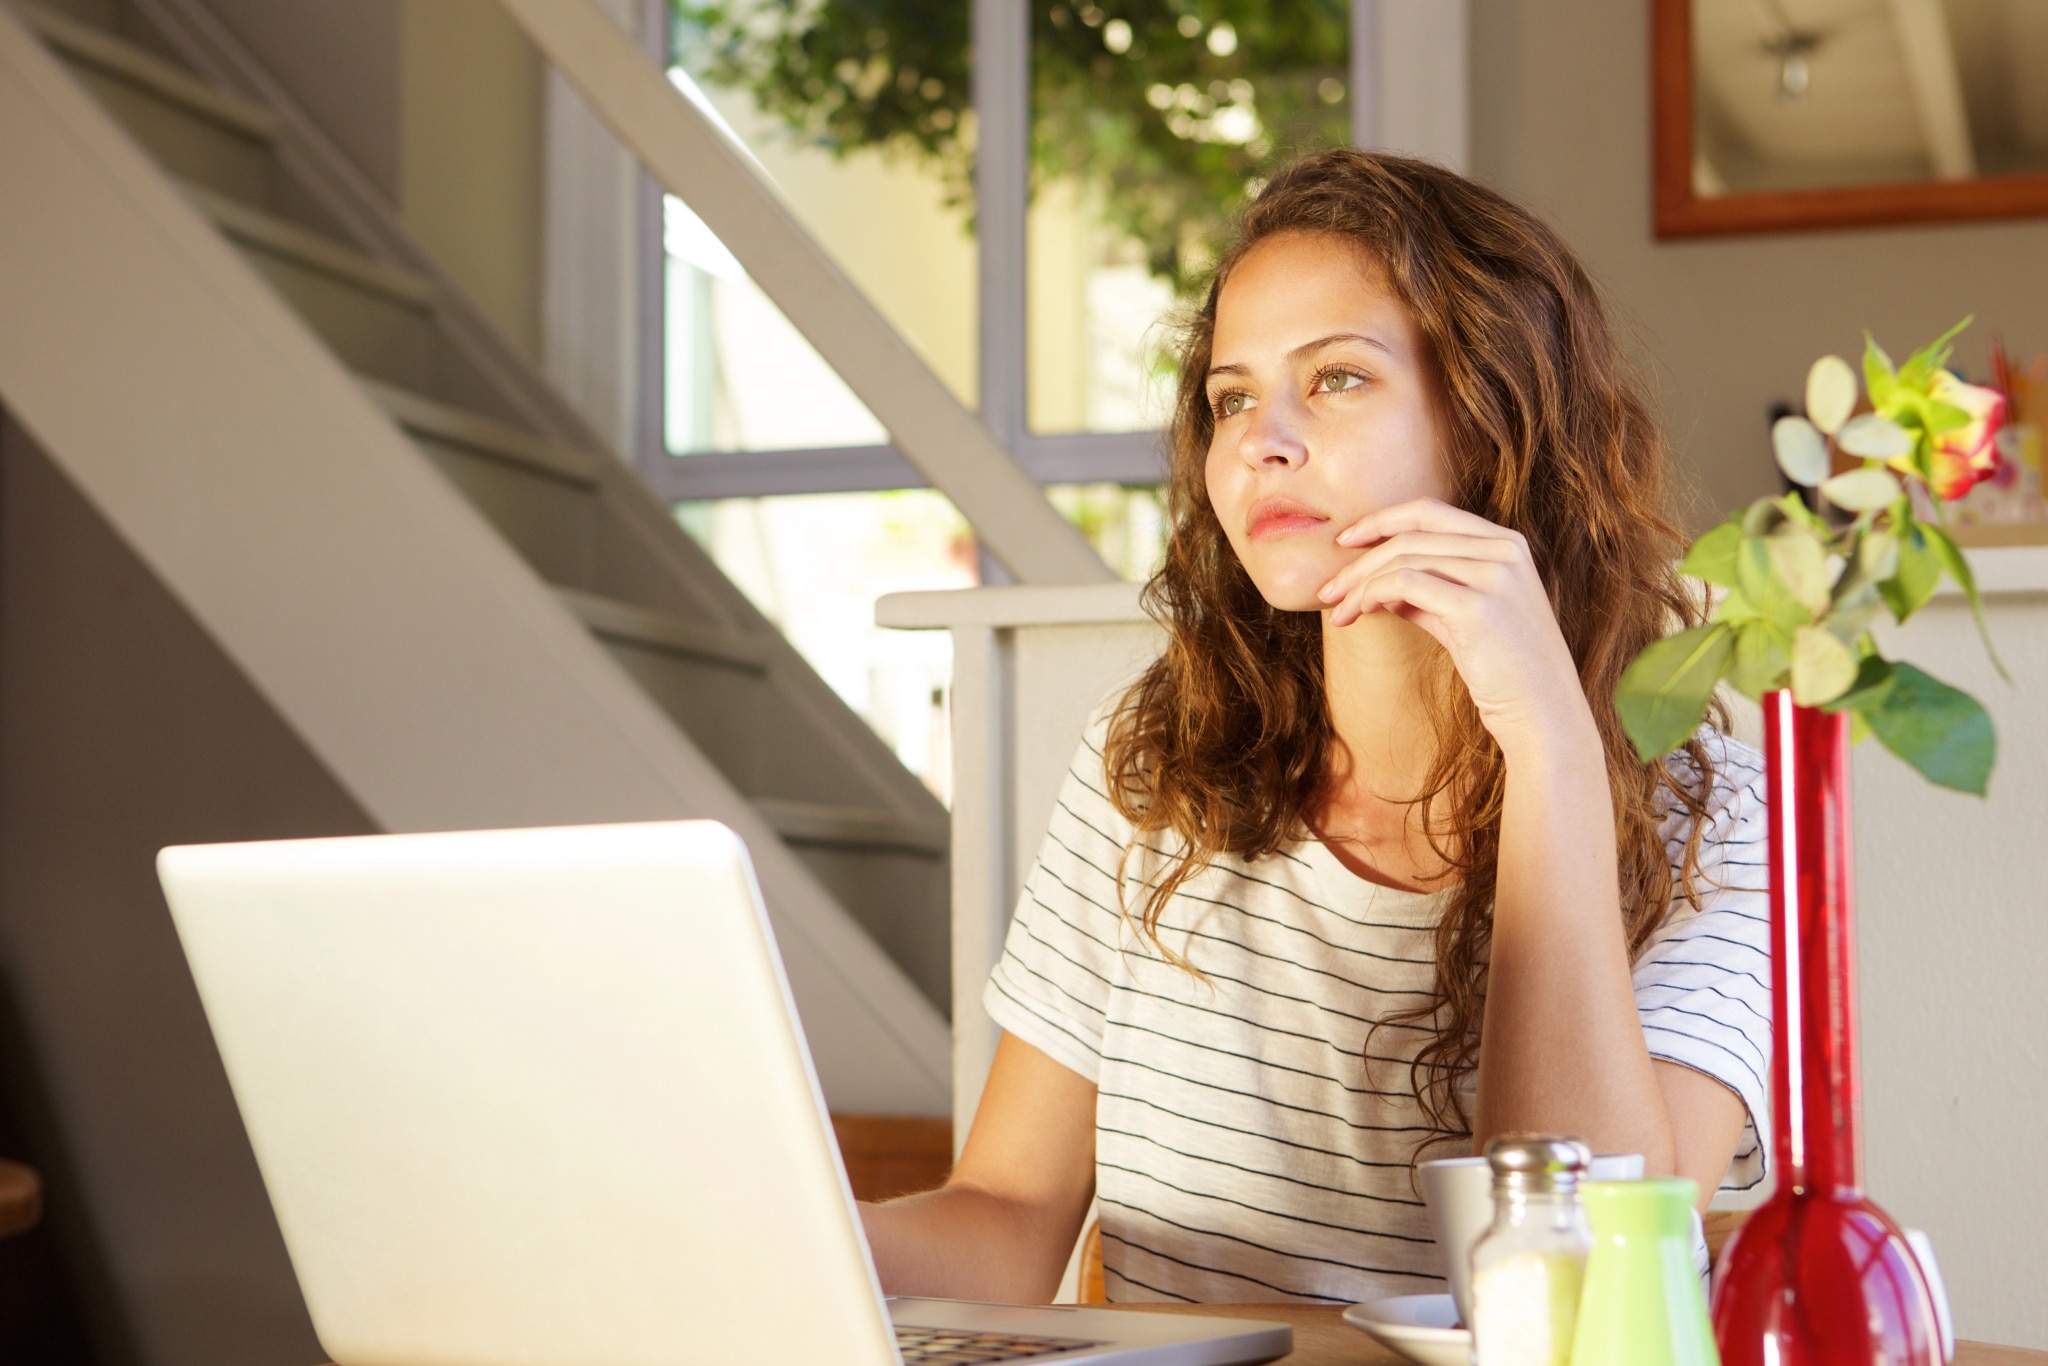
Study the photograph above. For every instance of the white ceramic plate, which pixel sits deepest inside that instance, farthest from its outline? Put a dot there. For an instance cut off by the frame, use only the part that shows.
(1422, 1328)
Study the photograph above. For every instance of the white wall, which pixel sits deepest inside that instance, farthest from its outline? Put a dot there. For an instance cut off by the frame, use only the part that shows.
(1953, 898)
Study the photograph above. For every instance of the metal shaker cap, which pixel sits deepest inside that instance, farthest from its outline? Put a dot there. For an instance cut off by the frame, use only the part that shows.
(1537, 1164)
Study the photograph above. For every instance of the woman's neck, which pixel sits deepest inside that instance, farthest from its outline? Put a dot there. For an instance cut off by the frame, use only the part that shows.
(1376, 674)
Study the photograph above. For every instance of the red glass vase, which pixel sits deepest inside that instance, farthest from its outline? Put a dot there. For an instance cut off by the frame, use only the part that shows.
(1819, 1275)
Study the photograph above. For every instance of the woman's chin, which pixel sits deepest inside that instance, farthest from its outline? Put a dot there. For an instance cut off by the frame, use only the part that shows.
(1292, 593)
(1290, 572)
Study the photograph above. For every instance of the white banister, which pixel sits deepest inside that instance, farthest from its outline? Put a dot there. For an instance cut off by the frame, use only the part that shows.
(695, 160)
(1029, 666)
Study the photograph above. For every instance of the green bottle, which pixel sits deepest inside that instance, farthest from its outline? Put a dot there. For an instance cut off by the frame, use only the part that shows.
(1642, 1305)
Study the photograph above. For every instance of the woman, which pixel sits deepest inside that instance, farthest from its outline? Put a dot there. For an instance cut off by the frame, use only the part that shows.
(1364, 864)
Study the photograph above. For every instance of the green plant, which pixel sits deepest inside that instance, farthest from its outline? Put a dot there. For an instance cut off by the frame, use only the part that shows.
(1798, 592)
(1169, 111)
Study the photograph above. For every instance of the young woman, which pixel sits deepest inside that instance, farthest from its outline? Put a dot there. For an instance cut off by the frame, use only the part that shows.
(1363, 869)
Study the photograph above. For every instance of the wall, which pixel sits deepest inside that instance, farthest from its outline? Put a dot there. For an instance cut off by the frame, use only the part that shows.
(341, 63)
(439, 103)
(122, 729)
(1955, 1024)
(1953, 929)
(1561, 120)
(470, 102)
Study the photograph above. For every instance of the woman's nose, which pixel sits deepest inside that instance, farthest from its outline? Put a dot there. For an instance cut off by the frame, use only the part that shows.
(1273, 438)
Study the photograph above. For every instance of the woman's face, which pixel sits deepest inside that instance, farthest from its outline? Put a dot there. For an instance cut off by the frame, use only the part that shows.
(1325, 410)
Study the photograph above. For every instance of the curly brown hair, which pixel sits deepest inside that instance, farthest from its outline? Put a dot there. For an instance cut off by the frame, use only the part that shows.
(1225, 743)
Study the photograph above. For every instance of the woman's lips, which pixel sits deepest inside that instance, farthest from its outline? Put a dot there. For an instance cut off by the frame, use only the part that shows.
(1270, 517)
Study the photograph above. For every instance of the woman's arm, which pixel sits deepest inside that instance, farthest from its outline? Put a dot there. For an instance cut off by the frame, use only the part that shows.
(1005, 1222)
(1561, 1045)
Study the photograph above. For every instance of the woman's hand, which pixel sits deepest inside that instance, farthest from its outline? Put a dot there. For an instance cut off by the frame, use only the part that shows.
(1472, 586)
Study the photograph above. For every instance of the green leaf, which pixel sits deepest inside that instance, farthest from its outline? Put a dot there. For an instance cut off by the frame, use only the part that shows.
(1864, 490)
(1763, 655)
(1830, 395)
(1873, 680)
(1919, 573)
(1801, 450)
(1759, 595)
(1712, 557)
(1796, 510)
(1849, 616)
(1921, 365)
(1958, 566)
(1943, 732)
(1877, 555)
(1799, 561)
(1823, 667)
(1763, 517)
(1859, 728)
(1939, 417)
(1665, 691)
(1875, 437)
(1879, 378)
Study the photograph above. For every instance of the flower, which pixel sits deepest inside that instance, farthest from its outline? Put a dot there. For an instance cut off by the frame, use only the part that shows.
(1962, 457)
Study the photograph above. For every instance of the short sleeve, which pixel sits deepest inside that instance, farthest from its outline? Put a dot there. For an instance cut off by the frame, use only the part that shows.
(1051, 987)
(1703, 984)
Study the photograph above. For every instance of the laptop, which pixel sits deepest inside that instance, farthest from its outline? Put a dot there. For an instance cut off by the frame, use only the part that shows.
(541, 1096)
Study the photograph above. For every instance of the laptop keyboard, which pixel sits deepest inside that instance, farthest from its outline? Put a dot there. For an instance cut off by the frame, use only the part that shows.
(959, 1347)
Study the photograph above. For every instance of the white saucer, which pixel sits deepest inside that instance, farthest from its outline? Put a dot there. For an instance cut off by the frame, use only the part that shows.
(1422, 1328)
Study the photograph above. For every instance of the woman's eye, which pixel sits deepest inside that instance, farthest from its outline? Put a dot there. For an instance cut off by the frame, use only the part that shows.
(1337, 381)
(1230, 405)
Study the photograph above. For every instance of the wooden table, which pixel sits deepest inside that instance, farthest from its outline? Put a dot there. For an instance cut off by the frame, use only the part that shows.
(1322, 1338)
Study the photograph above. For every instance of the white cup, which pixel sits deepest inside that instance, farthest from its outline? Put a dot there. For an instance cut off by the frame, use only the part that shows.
(1459, 1193)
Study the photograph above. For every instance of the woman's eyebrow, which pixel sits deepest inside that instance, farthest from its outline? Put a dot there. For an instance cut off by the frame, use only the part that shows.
(1310, 348)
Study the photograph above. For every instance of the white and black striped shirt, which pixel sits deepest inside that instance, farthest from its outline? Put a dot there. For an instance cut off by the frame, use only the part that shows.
(1244, 1148)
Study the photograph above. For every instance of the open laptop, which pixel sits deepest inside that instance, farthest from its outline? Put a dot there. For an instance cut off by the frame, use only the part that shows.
(540, 1096)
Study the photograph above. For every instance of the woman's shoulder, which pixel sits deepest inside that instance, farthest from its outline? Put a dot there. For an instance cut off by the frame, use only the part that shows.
(1727, 793)
(1085, 791)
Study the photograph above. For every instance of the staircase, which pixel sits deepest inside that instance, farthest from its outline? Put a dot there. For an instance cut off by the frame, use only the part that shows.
(605, 549)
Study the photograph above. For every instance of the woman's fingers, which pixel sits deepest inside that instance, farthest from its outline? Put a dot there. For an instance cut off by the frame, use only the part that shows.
(1430, 588)
(1463, 570)
(1426, 544)
(1422, 514)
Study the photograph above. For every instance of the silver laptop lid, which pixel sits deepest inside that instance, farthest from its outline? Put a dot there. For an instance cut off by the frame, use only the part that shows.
(473, 1068)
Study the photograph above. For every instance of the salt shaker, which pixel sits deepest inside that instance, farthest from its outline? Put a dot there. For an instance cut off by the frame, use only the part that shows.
(1527, 1269)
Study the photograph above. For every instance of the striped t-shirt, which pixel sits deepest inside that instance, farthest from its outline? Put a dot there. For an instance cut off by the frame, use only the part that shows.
(1244, 1151)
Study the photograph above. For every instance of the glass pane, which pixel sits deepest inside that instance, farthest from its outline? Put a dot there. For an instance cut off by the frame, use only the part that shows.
(1149, 123)
(740, 377)
(1125, 523)
(877, 174)
(1801, 94)
(815, 564)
